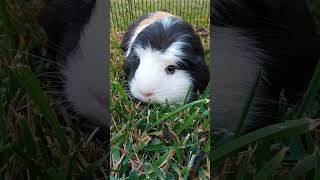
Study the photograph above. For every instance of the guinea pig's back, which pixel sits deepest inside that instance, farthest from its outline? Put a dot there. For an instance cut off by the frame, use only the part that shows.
(283, 42)
(237, 60)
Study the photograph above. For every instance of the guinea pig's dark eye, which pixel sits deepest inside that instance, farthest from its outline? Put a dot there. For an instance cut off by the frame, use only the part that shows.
(170, 69)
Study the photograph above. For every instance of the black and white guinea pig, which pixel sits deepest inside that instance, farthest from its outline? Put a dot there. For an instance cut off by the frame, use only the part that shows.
(277, 38)
(77, 34)
(164, 59)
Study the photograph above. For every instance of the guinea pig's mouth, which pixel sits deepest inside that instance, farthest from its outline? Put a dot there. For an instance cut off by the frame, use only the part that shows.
(150, 99)
(166, 95)
(138, 98)
(154, 99)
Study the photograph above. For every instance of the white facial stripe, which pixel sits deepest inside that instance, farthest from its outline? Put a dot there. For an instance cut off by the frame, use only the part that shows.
(166, 21)
(136, 33)
(174, 51)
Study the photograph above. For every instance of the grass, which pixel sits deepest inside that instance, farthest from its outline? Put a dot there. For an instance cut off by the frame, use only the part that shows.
(123, 12)
(155, 141)
(39, 142)
(287, 150)
(35, 140)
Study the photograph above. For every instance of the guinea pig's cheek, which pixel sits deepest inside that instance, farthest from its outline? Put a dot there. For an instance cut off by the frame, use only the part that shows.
(177, 90)
(134, 91)
(133, 88)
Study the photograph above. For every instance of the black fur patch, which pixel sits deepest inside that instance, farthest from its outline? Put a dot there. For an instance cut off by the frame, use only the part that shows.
(285, 30)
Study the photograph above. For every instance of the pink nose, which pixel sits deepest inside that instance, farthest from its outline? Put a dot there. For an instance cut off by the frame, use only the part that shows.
(146, 93)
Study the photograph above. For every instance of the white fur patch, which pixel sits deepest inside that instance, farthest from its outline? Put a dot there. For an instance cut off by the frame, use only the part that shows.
(167, 22)
(151, 76)
(86, 76)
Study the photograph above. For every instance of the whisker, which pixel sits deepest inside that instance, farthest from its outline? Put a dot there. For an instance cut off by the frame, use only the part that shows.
(59, 82)
(33, 55)
(53, 92)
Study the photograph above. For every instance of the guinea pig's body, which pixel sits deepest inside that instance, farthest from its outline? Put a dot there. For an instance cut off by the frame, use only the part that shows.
(77, 34)
(276, 38)
(164, 59)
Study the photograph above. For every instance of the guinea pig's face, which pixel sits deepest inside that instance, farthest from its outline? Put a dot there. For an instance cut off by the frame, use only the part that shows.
(158, 76)
(164, 59)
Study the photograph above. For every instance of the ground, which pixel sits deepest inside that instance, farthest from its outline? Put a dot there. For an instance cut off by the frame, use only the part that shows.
(163, 141)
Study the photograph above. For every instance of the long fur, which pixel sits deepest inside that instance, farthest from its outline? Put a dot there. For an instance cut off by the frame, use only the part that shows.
(153, 47)
(277, 38)
(77, 34)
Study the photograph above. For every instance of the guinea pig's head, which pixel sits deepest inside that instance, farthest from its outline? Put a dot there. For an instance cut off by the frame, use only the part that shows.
(164, 62)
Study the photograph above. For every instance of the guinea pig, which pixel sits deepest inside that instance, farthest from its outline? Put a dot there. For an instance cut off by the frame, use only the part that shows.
(164, 59)
(77, 35)
(274, 38)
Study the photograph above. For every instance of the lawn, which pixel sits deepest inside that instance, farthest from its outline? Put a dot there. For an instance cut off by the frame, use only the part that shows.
(156, 141)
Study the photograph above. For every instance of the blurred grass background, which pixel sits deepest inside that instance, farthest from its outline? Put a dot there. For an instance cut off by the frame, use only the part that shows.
(123, 12)
(287, 150)
(35, 141)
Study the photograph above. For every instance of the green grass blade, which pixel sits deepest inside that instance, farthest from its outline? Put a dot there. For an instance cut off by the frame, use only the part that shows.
(317, 164)
(266, 172)
(31, 85)
(7, 24)
(118, 87)
(246, 108)
(242, 170)
(71, 165)
(6, 147)
(26, 140)
(179, 109)
(188, 122)
(43, 146)
(3, 129)
(87, 173)
(286, 129)
(302, 168)
(309, 97)
(30, 163)
(133, 175)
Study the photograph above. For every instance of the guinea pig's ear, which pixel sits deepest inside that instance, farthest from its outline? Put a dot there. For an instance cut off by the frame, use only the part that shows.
(126, 68)
(125, 42)
(198, 60)
(200, 73)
